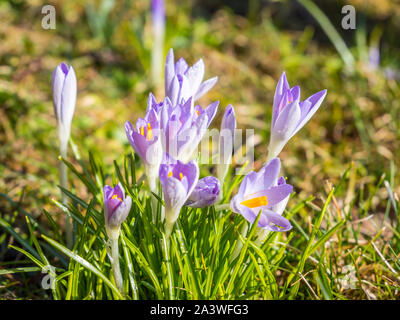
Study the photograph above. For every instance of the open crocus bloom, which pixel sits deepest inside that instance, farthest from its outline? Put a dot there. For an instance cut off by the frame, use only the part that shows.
(205, 193)
(183, 82)
(145, 140)
(289, 114)
(178, 181)
(183, 127)
(262, 191)
(116, 208)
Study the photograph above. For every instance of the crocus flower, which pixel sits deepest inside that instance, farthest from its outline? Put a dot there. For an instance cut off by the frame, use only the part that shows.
(205, 193)
(64, 98)
(183, 127)
(183, 82)
(116, 208)
(289, 114)
(226, 143)
(262, 191)
(145, 140)
(178, 180)
(158, 17)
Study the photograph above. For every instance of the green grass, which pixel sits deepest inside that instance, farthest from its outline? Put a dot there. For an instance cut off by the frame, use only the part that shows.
(305, 263)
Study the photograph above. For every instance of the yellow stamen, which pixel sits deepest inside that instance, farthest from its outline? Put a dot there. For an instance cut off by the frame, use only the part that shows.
(149, 132)
(255, 202)
(170, 174)
(181, 176)
(142, 131)
(198, 113)
(116, 197)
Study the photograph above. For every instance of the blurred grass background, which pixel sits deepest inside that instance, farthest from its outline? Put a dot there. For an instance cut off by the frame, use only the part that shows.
(247, 45)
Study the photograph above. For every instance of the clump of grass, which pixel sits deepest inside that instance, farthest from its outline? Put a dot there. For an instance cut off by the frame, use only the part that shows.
(323, 257)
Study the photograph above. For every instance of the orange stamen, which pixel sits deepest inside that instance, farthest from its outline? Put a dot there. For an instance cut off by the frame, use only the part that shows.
(181, 176)
(116, 197)
(255, 202)
(149, 132)
(170, 174)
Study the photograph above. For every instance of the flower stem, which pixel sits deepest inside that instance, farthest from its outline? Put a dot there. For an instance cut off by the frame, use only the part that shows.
(152, 181)
(64, 198)
(166, 257)
(115, 264)
(168, 228)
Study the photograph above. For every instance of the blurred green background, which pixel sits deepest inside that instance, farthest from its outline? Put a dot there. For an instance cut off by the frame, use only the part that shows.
(247, 45)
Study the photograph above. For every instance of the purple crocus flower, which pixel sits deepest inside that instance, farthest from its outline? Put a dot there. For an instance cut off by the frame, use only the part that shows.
(158, 17)
(289, 114)
(183, 126)
(183, 82)
(205, 193)
(263, 191)
(64, 98)
(158, 12)
(145, 140)
(226, 143)
(116, 208)
(178, 181)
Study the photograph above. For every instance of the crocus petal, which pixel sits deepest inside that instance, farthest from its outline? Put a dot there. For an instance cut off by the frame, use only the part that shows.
(137, 141)
(263, 179)
(229, 119)
(195, 75)
(120, 213)
(227, 137)
(189, 139)
(68, 97)
(173, 90)
(58, 79)
(273, 195)
(158, 11)
(281, 88)
(274, 222)
(211, 111)
(181, 66)
(315, 100)
(279, 208)
(169, 70)
(269, 173)
(205, 193)
(205, 87)
(185, 92)
(107, 190)
(287, 121)
(226, 143)
(64, 98)
(178, 181)
(119, 191)
(151, 103)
